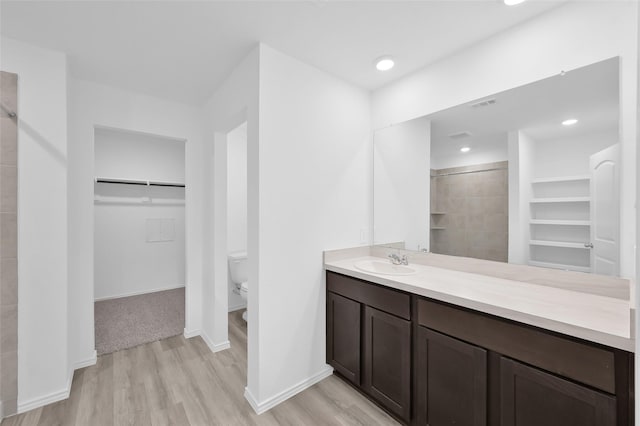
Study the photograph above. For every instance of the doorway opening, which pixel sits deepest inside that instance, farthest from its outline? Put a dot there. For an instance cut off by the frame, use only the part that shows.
(139, 238)
(237, 239)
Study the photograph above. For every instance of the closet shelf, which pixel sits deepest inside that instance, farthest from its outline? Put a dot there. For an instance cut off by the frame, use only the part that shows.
(98, 199)
(560, 266)
(561, 200)
(438, 228)
(560, 222)
(138, 182)
(561, 179)
(558, 244)
(438, 213)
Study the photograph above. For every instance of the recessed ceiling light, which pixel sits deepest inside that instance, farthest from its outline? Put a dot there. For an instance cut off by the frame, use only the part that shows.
(513, 2)
(569, 122)
(465, 149)
(384, 63)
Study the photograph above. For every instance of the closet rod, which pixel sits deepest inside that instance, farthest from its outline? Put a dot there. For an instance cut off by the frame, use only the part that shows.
(139, 182)
(469, 171)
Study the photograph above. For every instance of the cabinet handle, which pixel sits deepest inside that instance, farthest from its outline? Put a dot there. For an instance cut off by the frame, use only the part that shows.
(588, 245)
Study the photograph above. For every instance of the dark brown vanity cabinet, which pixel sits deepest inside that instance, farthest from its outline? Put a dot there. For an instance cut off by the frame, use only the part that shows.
(531, 397)
(369, 340)
(344, 351)
(387, 360)
(431, 363)
(451, 381)
(502, 373)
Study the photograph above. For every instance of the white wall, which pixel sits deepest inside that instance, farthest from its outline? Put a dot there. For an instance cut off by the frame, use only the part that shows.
(127, 155)
(315, 184)
(521, 149)
(569, 37)
(42, 220)
(237, 189)
(481, 153)
(235, 102)
(236, 202)
(402, 182)
(125, 261)
(103, 106)
(568, 156)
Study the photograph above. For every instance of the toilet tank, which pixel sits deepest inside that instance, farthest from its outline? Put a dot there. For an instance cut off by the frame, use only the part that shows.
(238, 267)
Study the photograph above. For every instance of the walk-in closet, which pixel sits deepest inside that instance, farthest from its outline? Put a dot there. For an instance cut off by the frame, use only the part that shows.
(139, 238)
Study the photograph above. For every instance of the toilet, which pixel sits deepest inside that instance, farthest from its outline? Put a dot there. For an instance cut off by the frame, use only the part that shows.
(239, 271)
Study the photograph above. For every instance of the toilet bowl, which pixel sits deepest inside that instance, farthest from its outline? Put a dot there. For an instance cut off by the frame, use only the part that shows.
(243, 293)
(238, 269)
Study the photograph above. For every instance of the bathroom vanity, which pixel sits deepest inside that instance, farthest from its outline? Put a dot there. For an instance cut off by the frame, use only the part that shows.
(447, 345)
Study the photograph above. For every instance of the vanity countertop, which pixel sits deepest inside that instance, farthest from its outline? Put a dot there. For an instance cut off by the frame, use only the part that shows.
(602, 315)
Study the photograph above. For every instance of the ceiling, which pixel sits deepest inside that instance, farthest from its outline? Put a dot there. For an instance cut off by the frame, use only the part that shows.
(183, 50)
(589, 94)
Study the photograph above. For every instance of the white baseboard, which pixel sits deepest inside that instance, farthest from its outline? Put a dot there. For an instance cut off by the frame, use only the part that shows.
(87, 362)
(237, 307)
(137, 293)
(188, 334)
(215, 347)
(24, 406)
(269, 403)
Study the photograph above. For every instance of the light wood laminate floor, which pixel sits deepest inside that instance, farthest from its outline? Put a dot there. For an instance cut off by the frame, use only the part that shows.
(179, 381)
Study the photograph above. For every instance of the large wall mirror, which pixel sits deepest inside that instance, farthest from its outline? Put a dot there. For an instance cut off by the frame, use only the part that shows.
(529, 176)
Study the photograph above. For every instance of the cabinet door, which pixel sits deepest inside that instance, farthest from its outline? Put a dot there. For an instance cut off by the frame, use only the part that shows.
(530, 397)
(387, 361)
(343, 336)
(451, 381)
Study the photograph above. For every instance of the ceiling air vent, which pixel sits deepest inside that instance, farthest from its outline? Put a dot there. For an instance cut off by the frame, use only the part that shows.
(484, 103)
(460, 135)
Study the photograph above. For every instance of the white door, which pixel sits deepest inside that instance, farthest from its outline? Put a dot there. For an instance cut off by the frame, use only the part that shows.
(605, 211)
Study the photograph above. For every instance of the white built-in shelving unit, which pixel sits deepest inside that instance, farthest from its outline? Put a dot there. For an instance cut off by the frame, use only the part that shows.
(560, 224)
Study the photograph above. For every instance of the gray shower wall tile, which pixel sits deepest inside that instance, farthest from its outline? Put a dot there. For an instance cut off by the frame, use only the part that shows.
(9, 91)
(476, 211)
(8, 189)
(8, 376)
(8, 235)
(9, 281)
(8, 326)
(8, 244)
(8, 141)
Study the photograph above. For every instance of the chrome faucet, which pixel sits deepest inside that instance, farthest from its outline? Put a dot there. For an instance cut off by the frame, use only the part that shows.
(397, 260)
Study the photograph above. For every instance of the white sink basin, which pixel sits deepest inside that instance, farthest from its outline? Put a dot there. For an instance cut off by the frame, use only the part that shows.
(383, 268)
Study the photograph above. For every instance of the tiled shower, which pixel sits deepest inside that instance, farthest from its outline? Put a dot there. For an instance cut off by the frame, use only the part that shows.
(469, 211)
(8, 243)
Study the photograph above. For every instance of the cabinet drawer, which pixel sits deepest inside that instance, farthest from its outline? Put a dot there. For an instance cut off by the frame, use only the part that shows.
(588, 364)
(385, 299)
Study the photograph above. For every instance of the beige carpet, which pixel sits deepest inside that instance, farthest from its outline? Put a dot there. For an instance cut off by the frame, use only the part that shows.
(131, 321)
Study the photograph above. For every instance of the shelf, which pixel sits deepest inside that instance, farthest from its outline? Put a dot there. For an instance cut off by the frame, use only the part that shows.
(438, 213)
(561, 200)
(561, 179)
(560, 266)
(138, 182)
(560, 222)
(558, 244)
(437, 228)
(99, 199)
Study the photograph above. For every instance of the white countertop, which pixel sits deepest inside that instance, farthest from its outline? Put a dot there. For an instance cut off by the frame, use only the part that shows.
(592, 317)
